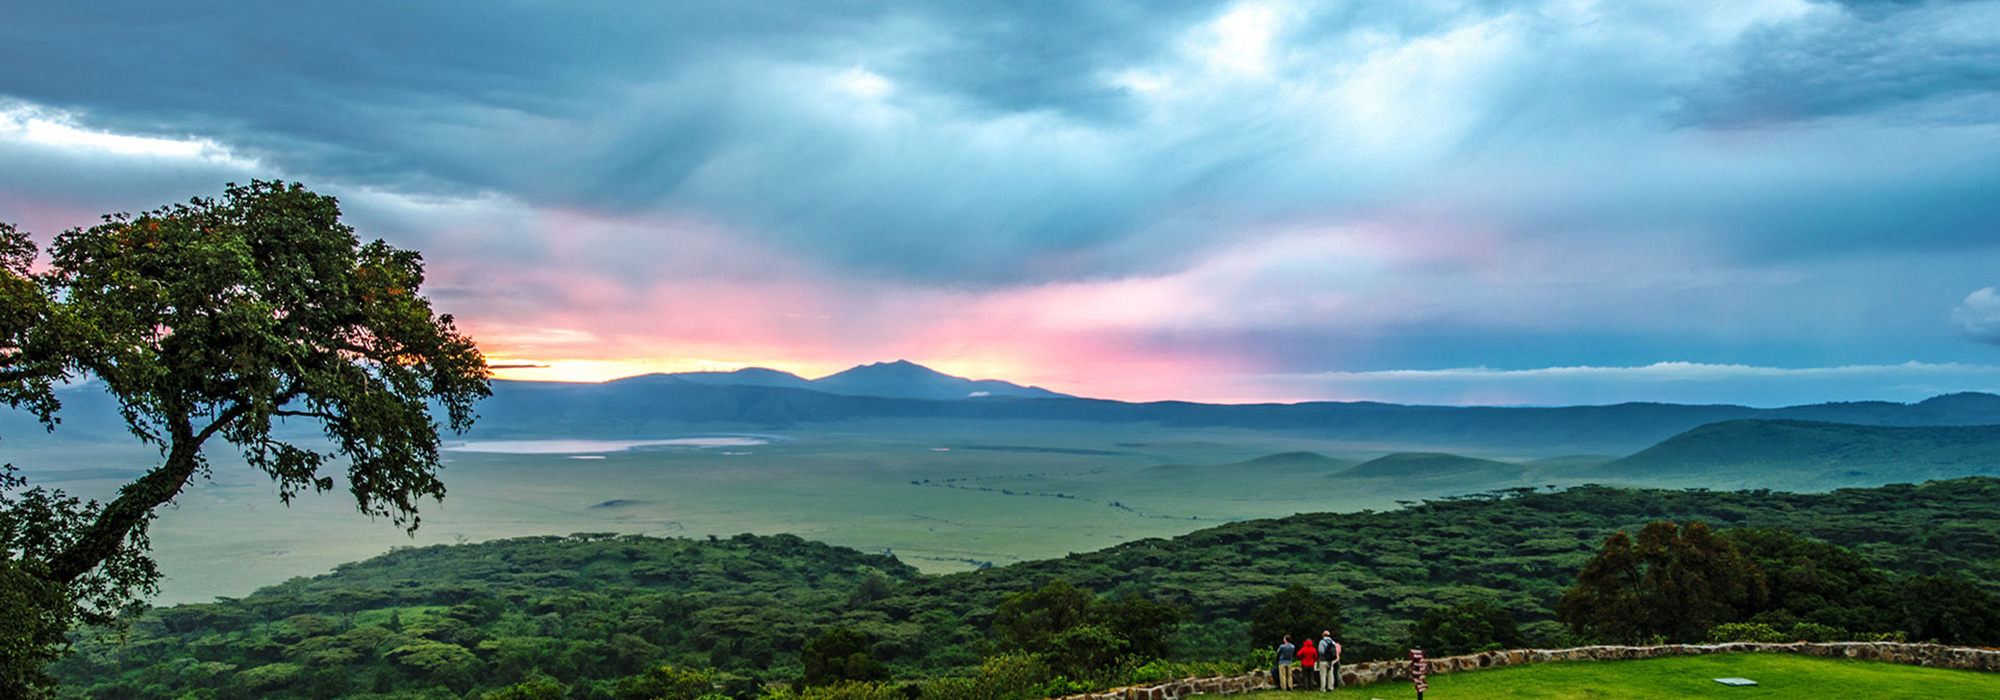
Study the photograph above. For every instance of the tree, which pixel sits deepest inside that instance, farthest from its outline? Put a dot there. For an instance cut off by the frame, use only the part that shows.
(1949, 610)
(1674, 582)
(1030, 619)
(1294, 611)
(840, 655)
(667, 683)
(218, 320)
(1819, 583)
(1081, 635)
(531, 689)
(1465, 629)
(1147, 628)
(30, 332)
(32, 622)
(874, 588)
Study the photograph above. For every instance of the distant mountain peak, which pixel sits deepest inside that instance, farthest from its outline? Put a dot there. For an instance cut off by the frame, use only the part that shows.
(747, 376)
(898, 379)
(901, 366)
(908, 380)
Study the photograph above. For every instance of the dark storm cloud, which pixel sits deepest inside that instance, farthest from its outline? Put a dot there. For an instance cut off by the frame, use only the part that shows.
(1924, 63)
(365, 90)
(989, 143)
(1025, 57)
(621, 110)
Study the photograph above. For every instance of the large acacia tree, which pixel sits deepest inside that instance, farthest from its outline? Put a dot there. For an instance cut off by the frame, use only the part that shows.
(1674, 583)
(220, 320)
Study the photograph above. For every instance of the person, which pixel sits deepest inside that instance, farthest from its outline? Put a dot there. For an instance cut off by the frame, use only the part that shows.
(1308, 658)
(1284, 670)
(1329, 661)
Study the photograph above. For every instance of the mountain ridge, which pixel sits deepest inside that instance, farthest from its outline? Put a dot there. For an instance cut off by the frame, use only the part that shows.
(900, 379)
(632, 407)
(759, 399)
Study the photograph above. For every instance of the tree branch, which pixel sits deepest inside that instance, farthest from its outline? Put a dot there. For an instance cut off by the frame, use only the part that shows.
(306, 414)
(136, 501)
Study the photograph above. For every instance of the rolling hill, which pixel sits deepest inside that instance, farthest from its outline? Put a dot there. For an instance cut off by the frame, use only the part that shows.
(1839, 451)
(1434, 465)
(1283, 463)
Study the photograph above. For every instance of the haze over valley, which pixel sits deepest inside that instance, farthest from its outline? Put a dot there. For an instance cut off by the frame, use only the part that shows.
(909, 461)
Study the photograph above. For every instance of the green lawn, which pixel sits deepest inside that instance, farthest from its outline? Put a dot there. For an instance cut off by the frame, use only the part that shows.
(1778, 676)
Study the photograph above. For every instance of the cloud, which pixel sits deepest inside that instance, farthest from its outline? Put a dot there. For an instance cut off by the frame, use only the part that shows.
(63, 175)
(1009, 143)
(1677, 382)
(1978, 317)
(1915, 63)
(1142, 187)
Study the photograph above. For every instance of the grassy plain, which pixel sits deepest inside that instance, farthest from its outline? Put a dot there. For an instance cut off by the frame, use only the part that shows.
(1778, 677)
(943, 495)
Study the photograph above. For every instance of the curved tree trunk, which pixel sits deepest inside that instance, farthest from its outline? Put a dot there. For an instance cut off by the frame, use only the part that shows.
(130, 510)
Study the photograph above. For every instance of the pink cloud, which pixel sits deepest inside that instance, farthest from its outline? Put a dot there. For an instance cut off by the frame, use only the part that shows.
(723, 304)
(599, 297)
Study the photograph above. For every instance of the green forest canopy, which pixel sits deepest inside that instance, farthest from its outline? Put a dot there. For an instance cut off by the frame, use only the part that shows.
(591, 608)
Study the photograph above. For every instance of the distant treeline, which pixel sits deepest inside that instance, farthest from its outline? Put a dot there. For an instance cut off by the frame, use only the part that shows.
(588, 612)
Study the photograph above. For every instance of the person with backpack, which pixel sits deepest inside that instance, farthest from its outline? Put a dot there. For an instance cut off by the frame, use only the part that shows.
(1329, 661)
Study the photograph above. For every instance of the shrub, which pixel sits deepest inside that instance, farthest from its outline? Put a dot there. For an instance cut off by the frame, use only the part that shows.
(842, 690)
(536, 689)
(1002, 677)
(1464, 629)
(1744, 632)
(667, 683)
(839, 655)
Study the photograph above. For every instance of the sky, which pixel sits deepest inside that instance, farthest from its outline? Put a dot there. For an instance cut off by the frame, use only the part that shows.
(1762, 202)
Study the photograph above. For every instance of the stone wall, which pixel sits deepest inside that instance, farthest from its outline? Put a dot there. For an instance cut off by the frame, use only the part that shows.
(1933, 655)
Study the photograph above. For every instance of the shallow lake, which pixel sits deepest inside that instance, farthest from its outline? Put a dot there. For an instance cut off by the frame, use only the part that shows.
(549, 447)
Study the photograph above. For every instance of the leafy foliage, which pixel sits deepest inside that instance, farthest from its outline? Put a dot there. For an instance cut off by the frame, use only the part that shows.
(1081, 635)
(216, 319)
(1295, 612)
(840, 655)
(1819, 592)
(34, 615)
(666, 683)
(582, 611)
(1951, 610)
(533, 689)
(1674, 583)
(1466, 628)
(586, 610)
(1818, 583)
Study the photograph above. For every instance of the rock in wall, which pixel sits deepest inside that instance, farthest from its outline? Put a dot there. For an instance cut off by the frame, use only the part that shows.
(1933, 655)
